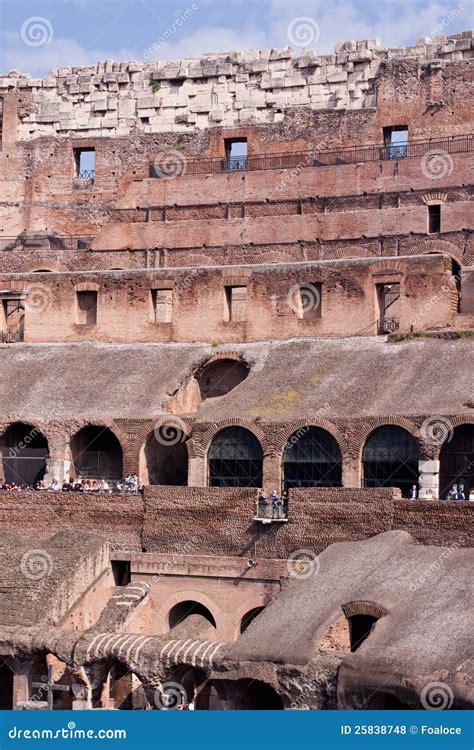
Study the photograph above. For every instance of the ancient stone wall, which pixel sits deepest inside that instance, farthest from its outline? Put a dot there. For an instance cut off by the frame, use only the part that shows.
(336, 298)
(236, 88)
(215, 521)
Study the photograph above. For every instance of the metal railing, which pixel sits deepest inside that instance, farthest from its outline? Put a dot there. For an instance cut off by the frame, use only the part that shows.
(316, 158)
(86, 174)
(388, 325)
(11, 337)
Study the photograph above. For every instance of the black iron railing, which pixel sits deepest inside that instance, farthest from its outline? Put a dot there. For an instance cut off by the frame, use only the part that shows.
(11, 337)
(388, 325)
(316, 157)
(86, 174)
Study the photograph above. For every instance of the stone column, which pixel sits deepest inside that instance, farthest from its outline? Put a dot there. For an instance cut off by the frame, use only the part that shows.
(429, 478)
(197, 471)
(58, 469)
(351, 471)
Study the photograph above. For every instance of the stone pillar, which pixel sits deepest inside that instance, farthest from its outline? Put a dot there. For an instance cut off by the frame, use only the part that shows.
(351, 472)
(467, 290)
(21, 690)
(429, 478)
(197, 474)
(272, 472)
(58, 469)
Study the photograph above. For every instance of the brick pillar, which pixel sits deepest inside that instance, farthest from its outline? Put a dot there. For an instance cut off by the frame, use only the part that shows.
(467, 290)
(351, 472)
(197, 474)
(272, 472)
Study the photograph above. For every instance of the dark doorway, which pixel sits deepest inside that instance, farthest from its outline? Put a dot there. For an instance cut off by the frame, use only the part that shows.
(238, 695)
(249, 617)
(360, 627)
(434, 219)
(457, 461)
(166, 457)
(390, 459)
(218, 378)
(24, 452)
(235, 459)
(96, 454)
(6, 687)
(121, 571)
(386, 701)
(190, 618)
(388, 297)
(312, 458)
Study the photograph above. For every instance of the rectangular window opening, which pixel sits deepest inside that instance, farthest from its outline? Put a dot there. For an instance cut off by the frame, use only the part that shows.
(236, 151)
(434, 219)
(121, 570)
(309, 301)
(388, 298)
(396, 141)
(84, 159)
(86, 308)
(235, 304)
(162, 300)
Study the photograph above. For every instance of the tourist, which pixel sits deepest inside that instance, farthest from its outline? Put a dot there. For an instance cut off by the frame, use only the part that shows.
(276, 504)
(460, 494)
(413, 493)
(471, 496)
(55, 486)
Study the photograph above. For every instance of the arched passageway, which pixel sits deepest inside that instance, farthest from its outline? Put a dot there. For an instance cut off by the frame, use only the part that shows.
(24, 452)
(235, 459)
(312, 458)
(165, 460)
(457, 461)
(96, 454)
(191, 619)
(390, 459)
(238, 695)
(249, 617)
(218, 378)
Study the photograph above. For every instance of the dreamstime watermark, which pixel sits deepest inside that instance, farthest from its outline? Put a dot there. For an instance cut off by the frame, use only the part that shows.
(426, 308)
(38, 299)
(437, 696)
(24, 443)
(437, 164)
(180, 20)
(36, 564)
(36, 31)
(445, 21)
(308, 160)
(437, 430)
(170, 696)
(303, 31)
(302, 564)
(169, 164)
(303, 299)
(170, 430)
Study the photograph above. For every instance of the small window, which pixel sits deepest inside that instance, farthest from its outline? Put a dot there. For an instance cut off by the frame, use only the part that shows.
(308, 301)
(84, 159)
(86, 308)
(121, 570)
(235, 303)
(236, 151)
(396, 141)
(162, 300)
(434, 219)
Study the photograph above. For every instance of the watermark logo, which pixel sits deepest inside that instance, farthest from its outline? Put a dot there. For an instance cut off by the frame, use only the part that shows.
(36, 564)
(303, 298)
(303, 563)
(170, 430)
(169, 164)
(170, 696)
(437, 164)
(303, 31)
(36, 31)
(437, 430)
(437, 696)
(38, 299)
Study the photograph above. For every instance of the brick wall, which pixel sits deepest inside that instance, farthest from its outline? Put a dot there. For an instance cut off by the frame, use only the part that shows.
(214, 521)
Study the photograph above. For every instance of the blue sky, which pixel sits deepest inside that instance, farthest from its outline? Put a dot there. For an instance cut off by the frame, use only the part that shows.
(39, 35)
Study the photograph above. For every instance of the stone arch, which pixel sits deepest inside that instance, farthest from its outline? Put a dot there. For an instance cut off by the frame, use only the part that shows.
(25, 450)
(390, 458)
(220, 374)
(46, 264)
(235, 458)
(208, 435)
(239, 694)
(184, 595)
(456, 458)
(441, 247)
(360, 437)
(96, 452)
(312, 457)
(248, 617)
(362, 617)
(164, 462)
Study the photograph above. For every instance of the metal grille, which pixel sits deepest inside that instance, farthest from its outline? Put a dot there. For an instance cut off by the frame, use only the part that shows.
(86, 174)
(25, 469)
(322, 158)
(98, 465)
(457, 461)
(312, 460)
(390, 459)
(235, 459)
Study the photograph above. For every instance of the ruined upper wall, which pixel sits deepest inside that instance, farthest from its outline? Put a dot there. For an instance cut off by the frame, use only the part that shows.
(237, 88)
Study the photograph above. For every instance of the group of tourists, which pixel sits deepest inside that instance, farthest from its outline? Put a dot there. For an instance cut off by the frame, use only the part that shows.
(455, 493)
(273, 505)
(128, 484)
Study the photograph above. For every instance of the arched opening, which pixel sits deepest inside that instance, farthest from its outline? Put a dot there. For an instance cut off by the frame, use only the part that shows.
(96, 454)
(238, 695)
(218, 378)
(166, 460)
(190, 619)
(24, 453)
(249, 617)
(235, 459)
(390, 459)
(125, 689)
(386, 701)
(457, 271)
(6, 687)
(457, 461)
(360, 627)
(312, 458)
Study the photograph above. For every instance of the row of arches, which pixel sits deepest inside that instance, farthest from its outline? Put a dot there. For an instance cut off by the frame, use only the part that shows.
(312, 457)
